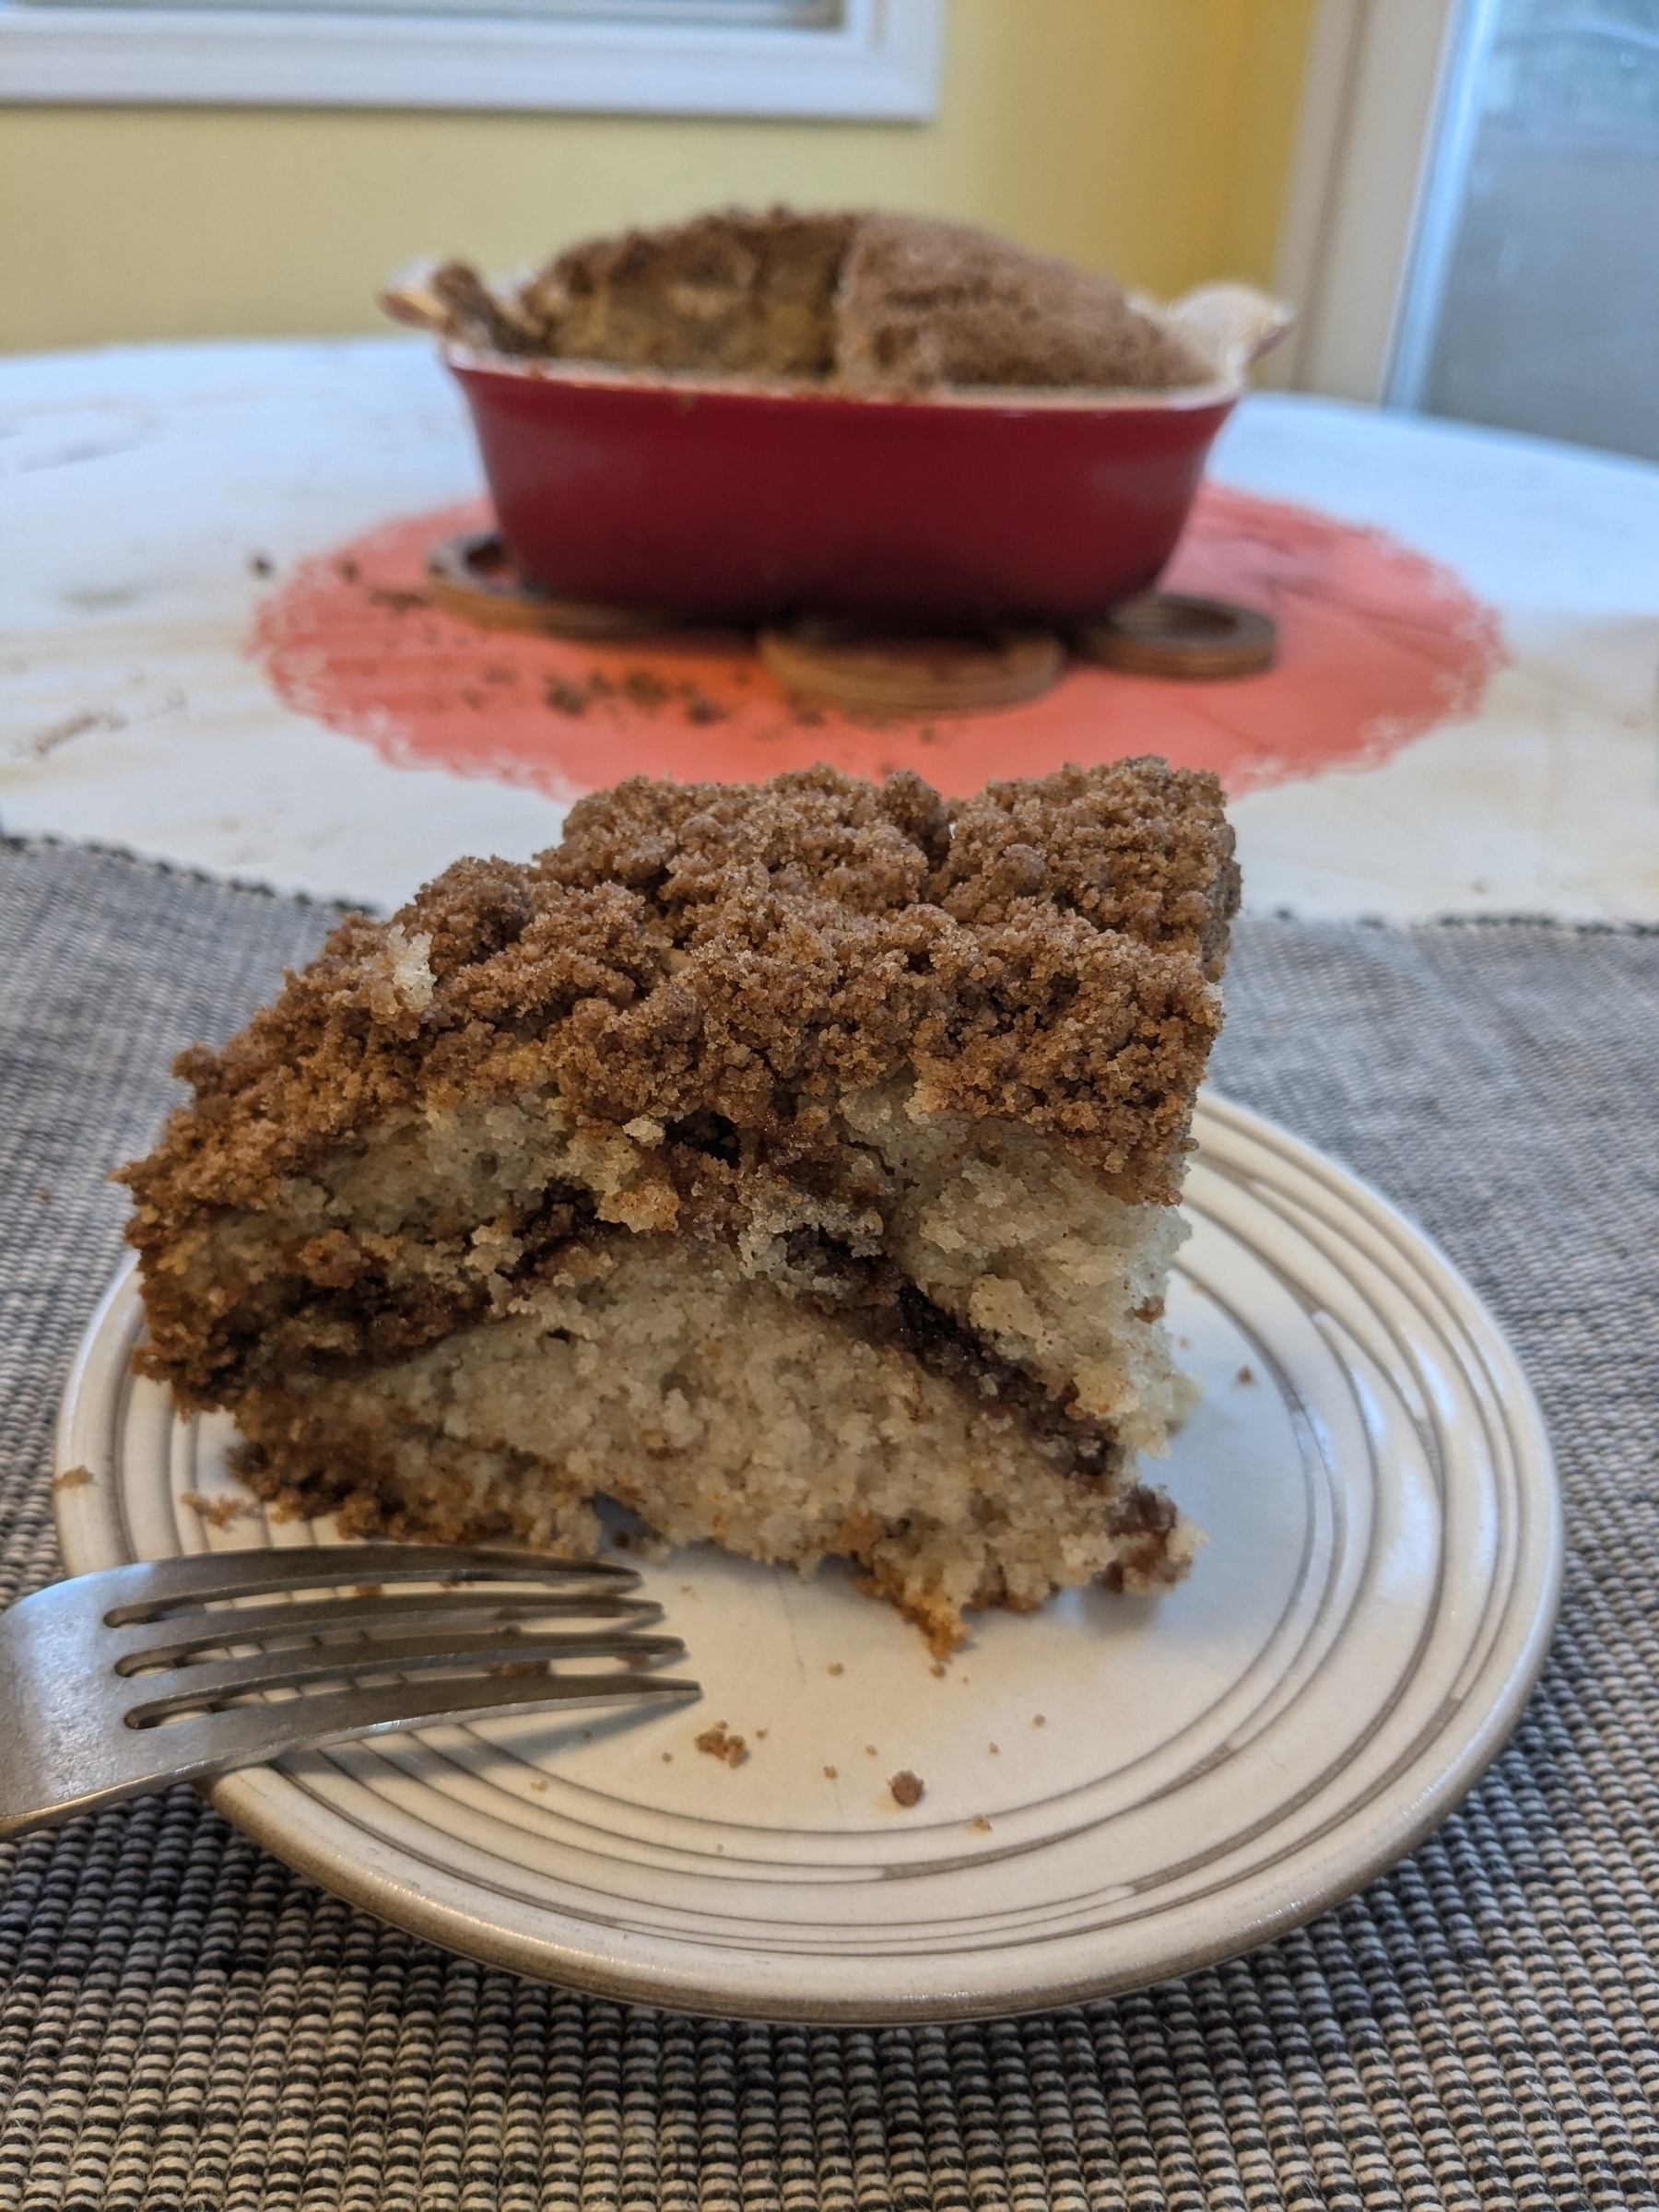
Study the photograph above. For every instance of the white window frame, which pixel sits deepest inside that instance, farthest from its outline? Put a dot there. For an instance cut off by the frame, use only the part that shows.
(880, 61)
(1384, 79)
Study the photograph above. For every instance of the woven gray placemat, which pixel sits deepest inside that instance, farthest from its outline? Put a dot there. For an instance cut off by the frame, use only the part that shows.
(184, 2023)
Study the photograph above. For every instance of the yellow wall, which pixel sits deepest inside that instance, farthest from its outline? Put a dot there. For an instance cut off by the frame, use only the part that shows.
(1147, 136)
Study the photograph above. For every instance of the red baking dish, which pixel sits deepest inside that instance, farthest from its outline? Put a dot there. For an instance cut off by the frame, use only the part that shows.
(717, 500)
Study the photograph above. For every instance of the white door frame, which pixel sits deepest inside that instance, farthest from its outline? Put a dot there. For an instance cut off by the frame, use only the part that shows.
(1385, 81)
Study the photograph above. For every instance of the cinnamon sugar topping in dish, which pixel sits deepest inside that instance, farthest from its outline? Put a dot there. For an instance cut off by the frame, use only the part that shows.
(870, 301)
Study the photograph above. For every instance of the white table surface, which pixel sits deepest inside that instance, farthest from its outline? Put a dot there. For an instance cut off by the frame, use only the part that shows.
(140, 483)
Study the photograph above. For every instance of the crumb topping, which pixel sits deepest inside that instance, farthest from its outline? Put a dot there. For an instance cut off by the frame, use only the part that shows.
(867, 301)
(708, 955)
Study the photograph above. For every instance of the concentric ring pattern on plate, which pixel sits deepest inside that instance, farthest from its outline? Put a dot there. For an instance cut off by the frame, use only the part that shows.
(1116, 1789)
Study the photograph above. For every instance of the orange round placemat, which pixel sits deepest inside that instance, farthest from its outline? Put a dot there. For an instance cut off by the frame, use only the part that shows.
(1377, 645)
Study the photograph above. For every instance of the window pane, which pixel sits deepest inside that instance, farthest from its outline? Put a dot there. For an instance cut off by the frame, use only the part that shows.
(1547, 318)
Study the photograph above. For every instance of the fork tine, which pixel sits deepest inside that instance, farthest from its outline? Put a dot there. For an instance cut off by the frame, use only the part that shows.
(211, 1684)
(253, 1734)
(218, 1743)
(160, 1585)
(450, 1609)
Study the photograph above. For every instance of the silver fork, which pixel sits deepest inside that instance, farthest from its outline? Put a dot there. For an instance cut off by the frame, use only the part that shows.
(120, 1682)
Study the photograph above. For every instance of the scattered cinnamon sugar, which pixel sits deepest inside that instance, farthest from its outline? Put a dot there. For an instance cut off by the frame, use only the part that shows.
(719, 1743)
(641, 688)
(908, 1789)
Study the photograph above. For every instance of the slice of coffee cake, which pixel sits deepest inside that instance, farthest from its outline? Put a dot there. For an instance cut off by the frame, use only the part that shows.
(796, 1165)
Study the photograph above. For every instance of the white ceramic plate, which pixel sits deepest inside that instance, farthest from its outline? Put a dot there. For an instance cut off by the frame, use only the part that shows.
(1117, 1789)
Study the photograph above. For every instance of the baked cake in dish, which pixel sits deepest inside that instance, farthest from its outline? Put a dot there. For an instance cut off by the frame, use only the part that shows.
(870, 302)
(796, 1165)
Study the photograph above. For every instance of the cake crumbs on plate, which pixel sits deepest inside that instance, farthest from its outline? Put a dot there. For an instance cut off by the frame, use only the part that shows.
(908, 1789)
(73, 1479)
(995, 1750)
(540, 1785)
(938, 1670)
(720, 1743)
(979, 1825)
(835, 1667)
(1244, 1374)
(219, 1511)
(1040, 1719)
(831, 1774)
